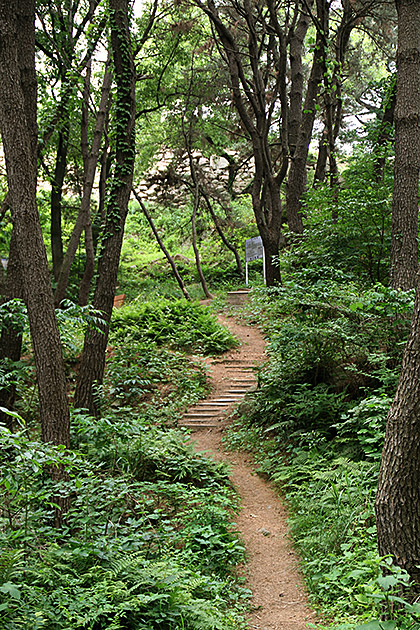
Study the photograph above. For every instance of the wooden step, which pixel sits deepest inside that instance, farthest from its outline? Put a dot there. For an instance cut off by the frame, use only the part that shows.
(236, 298)
(210, 403)
(200, 416)
(198, 426)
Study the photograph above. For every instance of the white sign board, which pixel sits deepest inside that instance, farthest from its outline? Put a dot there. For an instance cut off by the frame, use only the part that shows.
(254, 249)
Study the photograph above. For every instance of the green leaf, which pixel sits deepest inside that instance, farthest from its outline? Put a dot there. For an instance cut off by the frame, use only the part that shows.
(387, 581)
(377, 625)
(11, 589)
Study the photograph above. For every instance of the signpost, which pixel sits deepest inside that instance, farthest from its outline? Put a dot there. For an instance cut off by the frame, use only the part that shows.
(254, 250)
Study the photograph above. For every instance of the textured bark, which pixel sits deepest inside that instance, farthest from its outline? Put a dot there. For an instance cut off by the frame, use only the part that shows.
(11, 338)
(297, 78)
(321, 163)
(18, 129)
(404, 246)
(297, 178)
(398, 496)
(89, 271)
(333, 97)
(93, 358)
(5, 206)
(57, 196)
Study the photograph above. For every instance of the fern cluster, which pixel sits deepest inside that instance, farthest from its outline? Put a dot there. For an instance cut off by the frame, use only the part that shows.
(177, 323)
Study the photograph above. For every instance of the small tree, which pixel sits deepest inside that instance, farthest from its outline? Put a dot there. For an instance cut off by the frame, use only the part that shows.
(93, 358)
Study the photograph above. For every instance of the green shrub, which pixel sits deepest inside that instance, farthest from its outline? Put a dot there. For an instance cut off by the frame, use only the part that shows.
(316, 427)
(140, 371)
(144, 544)
(178, 324)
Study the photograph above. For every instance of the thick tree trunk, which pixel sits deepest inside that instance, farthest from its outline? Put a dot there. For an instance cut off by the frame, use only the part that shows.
(93, 358)
(404, 245)
(297, 39)
(18, 129)
(398, 496)
(296, 183)
(269, 227)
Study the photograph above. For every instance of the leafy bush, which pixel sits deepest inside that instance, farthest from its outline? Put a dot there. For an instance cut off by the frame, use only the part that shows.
(141, 372)
(179, 324)
(144, 544)
(357, 243)
(329, 347)
(363, 427)
(316, 427)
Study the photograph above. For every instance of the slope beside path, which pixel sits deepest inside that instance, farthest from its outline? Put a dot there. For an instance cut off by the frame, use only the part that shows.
(279, 600)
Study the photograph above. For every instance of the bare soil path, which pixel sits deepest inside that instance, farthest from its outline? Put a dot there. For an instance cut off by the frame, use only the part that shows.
(279, 600)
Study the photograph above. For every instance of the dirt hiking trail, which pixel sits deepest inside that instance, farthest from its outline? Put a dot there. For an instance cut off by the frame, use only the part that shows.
(279, 601)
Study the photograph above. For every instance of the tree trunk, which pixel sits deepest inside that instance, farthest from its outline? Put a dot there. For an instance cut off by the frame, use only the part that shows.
(269, 227)
(297, 178)
(385, 130)
(297, 39)
(229, 246)
(195, 248)
(162, 246)
(404, 246)
(256, 104)
(57, 196)
(83, 220)
(11, 338)
(93, 358)
(88, 274)
(398, 496)
(18, 129)
(321, 163)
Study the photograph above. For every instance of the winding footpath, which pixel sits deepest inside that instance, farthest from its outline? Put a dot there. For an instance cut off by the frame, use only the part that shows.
(279, 601)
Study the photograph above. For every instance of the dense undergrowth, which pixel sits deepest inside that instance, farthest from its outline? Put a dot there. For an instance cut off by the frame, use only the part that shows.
(316, 427)
(146, 543)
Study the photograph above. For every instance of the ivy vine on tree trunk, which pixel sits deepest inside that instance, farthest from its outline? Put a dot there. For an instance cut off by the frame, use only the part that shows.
(93, 358)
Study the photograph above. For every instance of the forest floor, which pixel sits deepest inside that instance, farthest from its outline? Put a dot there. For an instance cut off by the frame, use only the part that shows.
(279, 600)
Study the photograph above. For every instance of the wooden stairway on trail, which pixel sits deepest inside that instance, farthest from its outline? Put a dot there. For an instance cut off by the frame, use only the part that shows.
(238, 379)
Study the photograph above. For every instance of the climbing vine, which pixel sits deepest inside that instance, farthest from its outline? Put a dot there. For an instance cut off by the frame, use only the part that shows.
(123, 120)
